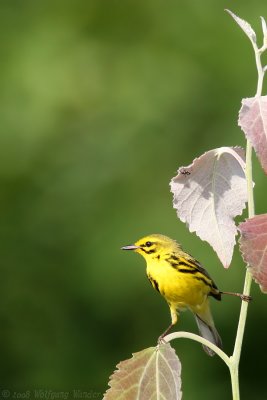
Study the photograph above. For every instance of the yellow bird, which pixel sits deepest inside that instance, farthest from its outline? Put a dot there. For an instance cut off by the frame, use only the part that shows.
(182, 281)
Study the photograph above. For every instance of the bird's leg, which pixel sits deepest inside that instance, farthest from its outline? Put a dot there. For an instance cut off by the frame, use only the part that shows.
(243, 297)
(161, 338)
(174, 320)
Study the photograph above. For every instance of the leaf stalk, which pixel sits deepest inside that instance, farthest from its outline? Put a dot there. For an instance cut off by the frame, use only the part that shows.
(200, 339)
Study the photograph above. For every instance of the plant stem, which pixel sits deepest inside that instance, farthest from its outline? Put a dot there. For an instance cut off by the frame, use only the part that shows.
(260, 69)
(235, 359)
(234, 381)
(251, 212)
(251, 207)
(200, 339)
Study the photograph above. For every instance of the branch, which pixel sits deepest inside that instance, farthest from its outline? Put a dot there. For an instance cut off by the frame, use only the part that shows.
(200, 339)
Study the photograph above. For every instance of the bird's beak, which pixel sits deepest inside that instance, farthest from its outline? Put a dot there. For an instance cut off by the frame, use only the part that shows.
(130, 247)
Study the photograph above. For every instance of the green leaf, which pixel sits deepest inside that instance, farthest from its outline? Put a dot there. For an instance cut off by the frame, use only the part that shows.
(151, 374)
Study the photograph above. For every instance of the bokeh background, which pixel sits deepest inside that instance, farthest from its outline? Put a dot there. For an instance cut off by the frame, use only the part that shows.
(100, 102)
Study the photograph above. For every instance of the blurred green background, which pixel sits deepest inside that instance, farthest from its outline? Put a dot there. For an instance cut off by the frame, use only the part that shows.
(101, 102)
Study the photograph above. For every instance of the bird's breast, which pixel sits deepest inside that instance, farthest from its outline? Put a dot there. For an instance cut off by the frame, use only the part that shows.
(177, 287)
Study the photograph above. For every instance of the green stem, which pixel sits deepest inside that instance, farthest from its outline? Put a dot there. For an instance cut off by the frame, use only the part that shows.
(200, 339)
(235, 359)
(234, 381)
(251, 207)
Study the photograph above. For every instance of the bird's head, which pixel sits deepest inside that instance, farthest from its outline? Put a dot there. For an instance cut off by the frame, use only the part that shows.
(153, 246)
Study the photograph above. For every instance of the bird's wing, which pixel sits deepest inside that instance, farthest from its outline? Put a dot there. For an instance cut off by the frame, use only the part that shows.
(184, 262)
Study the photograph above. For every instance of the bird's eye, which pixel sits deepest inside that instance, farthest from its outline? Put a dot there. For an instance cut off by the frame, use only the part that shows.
(148, 244)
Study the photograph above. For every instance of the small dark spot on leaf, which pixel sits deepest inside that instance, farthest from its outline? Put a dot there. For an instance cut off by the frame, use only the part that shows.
(184, 171)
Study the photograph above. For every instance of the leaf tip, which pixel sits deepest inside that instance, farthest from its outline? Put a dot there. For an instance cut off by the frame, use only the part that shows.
(245, 26)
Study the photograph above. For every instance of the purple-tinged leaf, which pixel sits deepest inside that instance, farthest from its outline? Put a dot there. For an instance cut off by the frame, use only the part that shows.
(153, 373)
(245, 26)
(253, 246)
(209, 194)
(253, 121)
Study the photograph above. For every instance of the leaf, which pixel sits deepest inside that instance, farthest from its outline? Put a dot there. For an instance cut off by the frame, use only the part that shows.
(153, 373)
(253, 246)
(245, 26)
(209, 193)
(253, 121)
(264, 30)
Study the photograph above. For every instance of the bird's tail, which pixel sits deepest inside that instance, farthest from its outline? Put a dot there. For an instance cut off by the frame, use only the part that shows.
(207, 328)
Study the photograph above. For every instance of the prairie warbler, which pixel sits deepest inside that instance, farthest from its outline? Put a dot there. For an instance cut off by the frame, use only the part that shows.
(182, 281)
